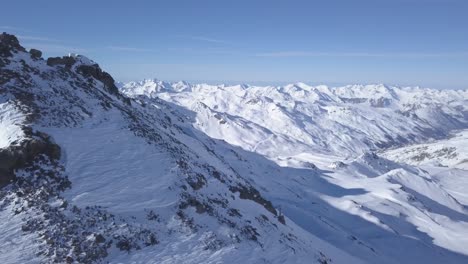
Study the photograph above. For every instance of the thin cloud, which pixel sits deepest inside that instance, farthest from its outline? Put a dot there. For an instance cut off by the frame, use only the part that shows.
(10, 28)
(359, 54)
(215, 51)
(129, 49)
(203, 39)
(52, 48)
(23, 37)
(212, 40)
(182, 49)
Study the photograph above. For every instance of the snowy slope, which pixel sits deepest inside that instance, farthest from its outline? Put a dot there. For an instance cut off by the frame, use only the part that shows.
(445, 160)
(452, 152)
(315, 163)
(10, 124)
(93, 176)
(178, 173)
(297, 118)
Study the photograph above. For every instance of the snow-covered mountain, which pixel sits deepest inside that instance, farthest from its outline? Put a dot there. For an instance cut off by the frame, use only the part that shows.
(330, 180)
(451, 152)
(156, 172)
(446, 160)
(297, 118)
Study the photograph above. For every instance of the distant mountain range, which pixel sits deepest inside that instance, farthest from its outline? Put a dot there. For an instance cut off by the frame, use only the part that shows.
(301, 118)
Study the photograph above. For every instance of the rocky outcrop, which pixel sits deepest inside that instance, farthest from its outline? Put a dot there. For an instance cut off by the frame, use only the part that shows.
(96, 72)
(66, 61)
(17, 156)
(88, 71)
(8, 44)
(35, 54)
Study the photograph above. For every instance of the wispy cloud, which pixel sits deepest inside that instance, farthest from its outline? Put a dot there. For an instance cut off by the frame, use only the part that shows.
(212, 40)
(202, 51)
(181, 49)
(10, 28)
(53, 48)
(44, 43)
(34, 38)
(360, 54)
(129, 49)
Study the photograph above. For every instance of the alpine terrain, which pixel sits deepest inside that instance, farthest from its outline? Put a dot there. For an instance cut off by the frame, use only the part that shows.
(97, 171)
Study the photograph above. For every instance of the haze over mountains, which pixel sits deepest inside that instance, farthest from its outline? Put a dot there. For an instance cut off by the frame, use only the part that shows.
(93, 171)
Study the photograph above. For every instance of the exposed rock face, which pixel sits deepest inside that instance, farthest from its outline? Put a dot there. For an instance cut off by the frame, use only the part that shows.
(96, 72)
(17, 156)
(68, 234)
(9, 43)
(35, 54)
(66, 61)
(88, 71)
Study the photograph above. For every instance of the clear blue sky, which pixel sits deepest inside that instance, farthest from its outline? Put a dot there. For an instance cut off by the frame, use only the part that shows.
(403, 42)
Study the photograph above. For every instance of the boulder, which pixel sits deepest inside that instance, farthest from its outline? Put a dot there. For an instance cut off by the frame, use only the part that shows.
(66, 61)
(35, 54)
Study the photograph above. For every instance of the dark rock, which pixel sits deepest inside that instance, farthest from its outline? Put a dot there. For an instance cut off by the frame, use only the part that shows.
(253, 194)
(124, 245)
(66, 61)
(197, 181)
(9, 43)
(96, 72)
(199, 206)
(250, 232)
(234, 212)
(69, 259)
(281, 219)
(152, 216)
(8, 157)
(6, 177)
(18, 156)
(151, 240)
(99, 239)
(35, 54)
(380, 102)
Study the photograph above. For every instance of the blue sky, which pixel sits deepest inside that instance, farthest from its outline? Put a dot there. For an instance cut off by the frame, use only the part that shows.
(402, 42)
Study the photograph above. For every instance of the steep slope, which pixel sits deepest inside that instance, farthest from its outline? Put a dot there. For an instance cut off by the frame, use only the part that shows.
(89, 175)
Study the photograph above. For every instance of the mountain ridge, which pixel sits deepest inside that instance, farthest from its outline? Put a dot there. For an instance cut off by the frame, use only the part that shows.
(102, 199)
(329, 105)
(104, 176)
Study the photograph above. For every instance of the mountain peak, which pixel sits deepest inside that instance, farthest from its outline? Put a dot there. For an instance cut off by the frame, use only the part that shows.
(9, 43)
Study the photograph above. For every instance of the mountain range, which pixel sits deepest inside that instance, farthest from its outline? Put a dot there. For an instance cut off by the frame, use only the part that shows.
(97, 171)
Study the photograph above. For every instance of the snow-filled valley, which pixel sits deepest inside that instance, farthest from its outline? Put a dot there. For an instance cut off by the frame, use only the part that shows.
(93, 171)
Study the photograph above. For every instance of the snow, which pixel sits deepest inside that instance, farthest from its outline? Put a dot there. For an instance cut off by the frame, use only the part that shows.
(309, 149)
(16, 246)
(336, 161)
(10, 124)
(311, 119)
(126, 174)
(452, 152)
(454, 181)
(107, 164)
